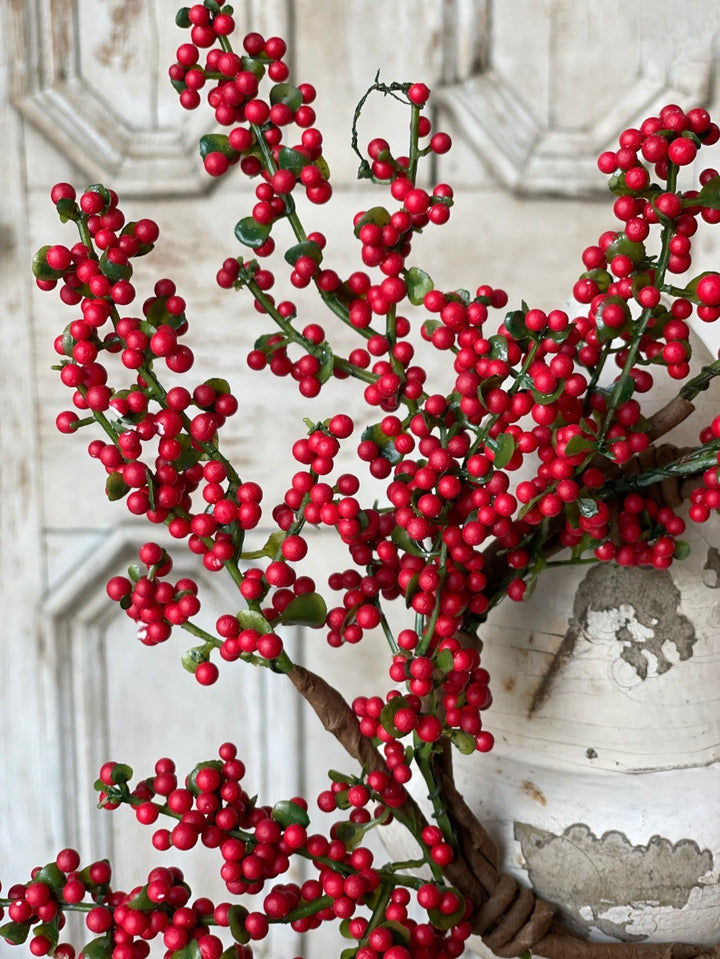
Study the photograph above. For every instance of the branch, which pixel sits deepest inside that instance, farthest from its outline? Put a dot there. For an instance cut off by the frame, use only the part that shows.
(559, 946)
(338, 718)
(667, 418)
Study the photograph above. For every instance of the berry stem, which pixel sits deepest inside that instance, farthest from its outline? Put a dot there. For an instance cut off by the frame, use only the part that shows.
(414, 153)
(424, 759)
(388, 632)
(700, 382)
(484, 431)
(696, 461)
(429, 629)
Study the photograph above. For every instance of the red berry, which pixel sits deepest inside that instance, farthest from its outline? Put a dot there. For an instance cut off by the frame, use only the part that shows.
(418, 94)
(708, 289)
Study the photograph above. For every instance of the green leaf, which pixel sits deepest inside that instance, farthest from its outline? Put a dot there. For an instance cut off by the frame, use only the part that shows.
(544, 399)
(607, 333)
(502, 448)
(321, 164)
(189, 454)
(418, 283)
(192, 778)
(102, 191)
(306, 248)
(114, 271)
(385, 444)
(624, 247)
(270, 548)
(190, 951)
(499, 348)
(429, 327)
(526, 507)
(192, 658)
(68, 342)
(135, 572)
(52, 876)
(709, 195)
(84, 875)
(402, 539)
(50, 931)
(376, 214)
(588, 507)
(121, 773)
(327, 365)
(237, 915)
(100, 948)
(442, 921)
(253, 66)
(158, 314)
(344, 930)
(578, 444)
(463, 741)
(142, 901)
(251, 619)
(350, 833)
(68, 210)
(682, 549)
(618, 186)
(601, 277)
(487, 384)
(216, 143)
(40, 266)
(625, 391)
(15, 932)
(286, 93)
(338, 777)
(293, 160)
(251, 233)
(263, 342)
(389, 711)
(461, 296)
(307, 609)
(690, 290)
(218, 384)
(514, 323)
(444, 661)
(182, 18)
(400, 932)
(289, 813)
(412, 587)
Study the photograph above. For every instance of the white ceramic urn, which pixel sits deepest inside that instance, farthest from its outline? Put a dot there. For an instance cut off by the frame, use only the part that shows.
(602, 790)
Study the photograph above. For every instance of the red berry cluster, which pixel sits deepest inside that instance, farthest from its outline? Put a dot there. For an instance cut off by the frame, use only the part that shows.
(39, 906)
(256, 845)
(234, 96)
(526, 446)
(258, 147)
(447, 691)
(154, 604)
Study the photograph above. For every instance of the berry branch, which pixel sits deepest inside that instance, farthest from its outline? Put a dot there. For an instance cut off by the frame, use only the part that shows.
(519, 446)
